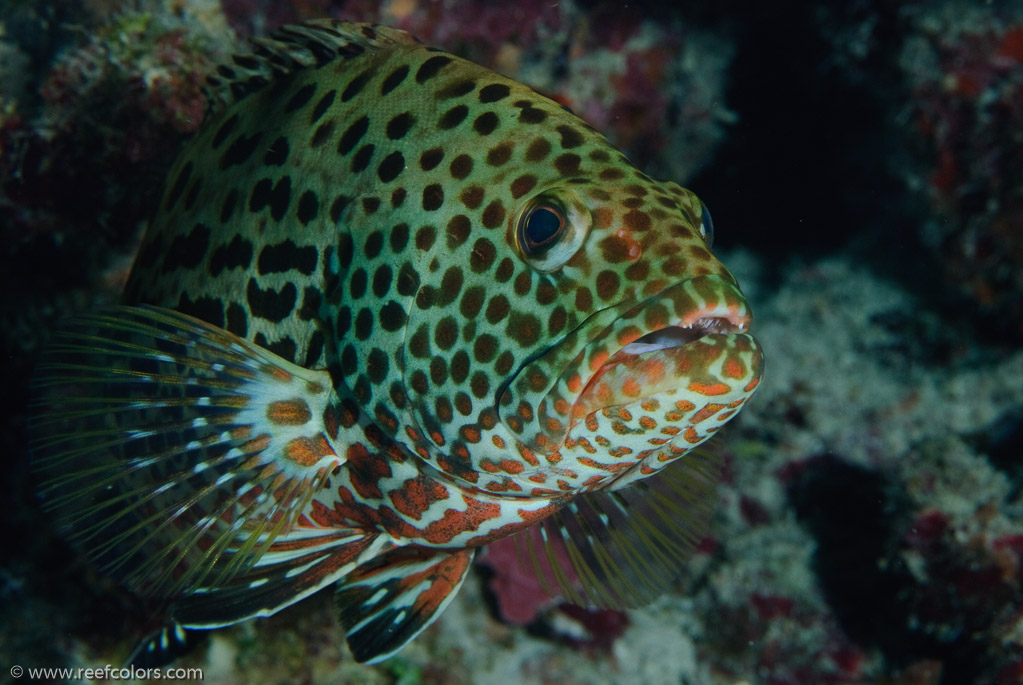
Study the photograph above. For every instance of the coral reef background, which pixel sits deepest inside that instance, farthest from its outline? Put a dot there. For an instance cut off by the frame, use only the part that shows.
(864, 165)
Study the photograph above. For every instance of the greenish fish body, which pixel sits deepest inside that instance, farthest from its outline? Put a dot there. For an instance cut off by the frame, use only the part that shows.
(393, 306)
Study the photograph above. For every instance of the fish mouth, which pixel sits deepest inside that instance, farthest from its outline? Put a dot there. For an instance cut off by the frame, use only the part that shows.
(658, 361)
(683, 349)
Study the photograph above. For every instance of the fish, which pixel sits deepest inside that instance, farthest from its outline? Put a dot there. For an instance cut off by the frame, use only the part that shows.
(391, 307)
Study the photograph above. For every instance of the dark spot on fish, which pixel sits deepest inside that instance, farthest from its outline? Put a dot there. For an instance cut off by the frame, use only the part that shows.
(399, 238)
(391, 167)
(425, 237)
(272, 305)
(235, 255)
(538, 150)
(472, 197)
(522, 185)
(370, 205)
(364, 324)
(433, 197)
(457, 89)
(400, 125)
(237, 321)
(483, 255)
(322, 134)
(461, 167)
(300, 98)
(394, 79)
(493, 215)
(374, 245)
(377, 366)
(530, 114)
(499, 155)
(322, 106)
(224, 131)
(356, 85)
(280, 198)
(430, 68)
(284, 348)
(277, 153)
(207, 309)
(285, 256)
(570, 137)
(458, 230)
(239, 150)
(187, 252)
(485, 124)
(431, 158)
(353, 135)
(453, 117)
(567, 163)
(494, 92)
(313, 349)
(312, 298)
(308, 207)
(392, 316)
(362, 158)
(408, 280)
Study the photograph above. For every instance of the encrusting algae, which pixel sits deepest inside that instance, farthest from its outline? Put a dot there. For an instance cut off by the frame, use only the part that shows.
(393, 306)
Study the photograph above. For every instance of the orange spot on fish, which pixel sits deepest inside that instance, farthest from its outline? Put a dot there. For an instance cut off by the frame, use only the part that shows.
(598, 360)
(498, 441)
(304, 451)
(575, 383)
(709, 389)
(512, 466)
(277, 372)
(734, 368)
(293, 412)
(706, 413)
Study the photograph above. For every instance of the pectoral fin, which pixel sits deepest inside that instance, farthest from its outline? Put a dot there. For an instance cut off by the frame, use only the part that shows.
(174, 452)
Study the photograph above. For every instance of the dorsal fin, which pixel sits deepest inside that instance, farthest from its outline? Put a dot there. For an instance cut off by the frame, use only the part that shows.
(292, 48)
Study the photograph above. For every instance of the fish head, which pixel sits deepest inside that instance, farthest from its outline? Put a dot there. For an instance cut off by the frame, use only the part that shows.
(657, 357)
(513, 289)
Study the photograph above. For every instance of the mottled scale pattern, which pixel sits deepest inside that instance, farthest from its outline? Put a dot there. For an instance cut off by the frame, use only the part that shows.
(498, 320)
(383, 199)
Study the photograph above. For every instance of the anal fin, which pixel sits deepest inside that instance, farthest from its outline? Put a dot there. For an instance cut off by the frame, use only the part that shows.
(295, 566)
(163, 646)
(387, 602)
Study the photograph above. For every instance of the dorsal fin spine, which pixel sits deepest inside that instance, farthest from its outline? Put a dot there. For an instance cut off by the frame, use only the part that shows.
(293, 48)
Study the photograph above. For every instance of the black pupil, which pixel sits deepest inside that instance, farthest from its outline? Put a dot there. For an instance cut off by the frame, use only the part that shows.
(542, 225)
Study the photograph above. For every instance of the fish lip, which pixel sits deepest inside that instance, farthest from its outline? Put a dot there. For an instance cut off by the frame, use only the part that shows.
(543, 418)
(672, 336)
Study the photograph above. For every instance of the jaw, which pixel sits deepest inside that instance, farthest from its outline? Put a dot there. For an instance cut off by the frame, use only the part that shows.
(684, 351)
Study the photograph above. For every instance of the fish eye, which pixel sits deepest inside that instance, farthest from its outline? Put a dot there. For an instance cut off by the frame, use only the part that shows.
(707, 226)
(551, 227)
(540, 228)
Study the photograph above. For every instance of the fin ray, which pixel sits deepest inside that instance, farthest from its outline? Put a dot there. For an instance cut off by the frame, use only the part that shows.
(617, 549)
(162, 443)
(387, 602)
